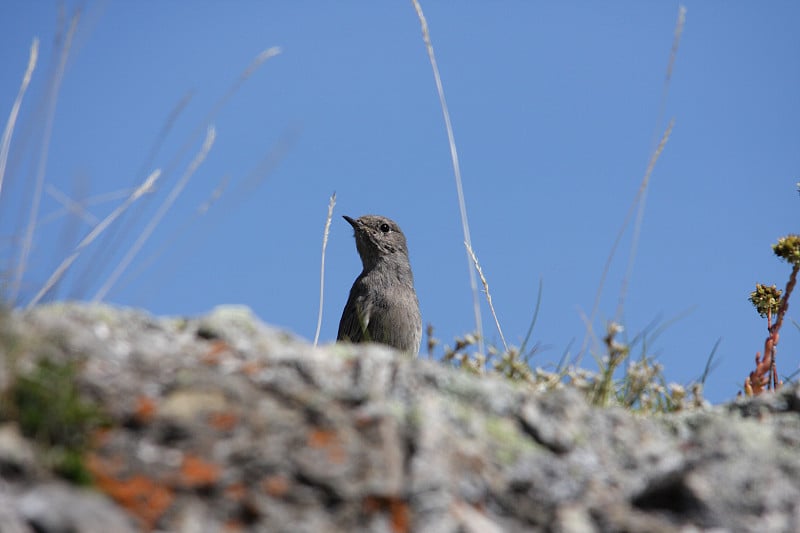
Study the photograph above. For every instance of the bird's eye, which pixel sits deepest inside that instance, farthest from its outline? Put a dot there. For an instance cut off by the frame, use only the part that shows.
(384, 227)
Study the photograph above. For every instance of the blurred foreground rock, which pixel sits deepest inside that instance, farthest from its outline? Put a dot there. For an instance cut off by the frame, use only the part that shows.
(221, 423)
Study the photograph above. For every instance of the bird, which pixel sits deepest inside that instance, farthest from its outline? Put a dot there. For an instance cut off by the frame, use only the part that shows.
(382, 305)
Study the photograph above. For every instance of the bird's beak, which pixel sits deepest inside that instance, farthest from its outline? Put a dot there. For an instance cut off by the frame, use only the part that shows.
(351, 221)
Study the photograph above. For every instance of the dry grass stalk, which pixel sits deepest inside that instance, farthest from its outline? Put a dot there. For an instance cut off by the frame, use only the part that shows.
(331, 204)
(145, 187)
(110, 243)
(426, 37)
(488, 294)
(5, 144)
(162, 210)
(41, 167)
(638, 202)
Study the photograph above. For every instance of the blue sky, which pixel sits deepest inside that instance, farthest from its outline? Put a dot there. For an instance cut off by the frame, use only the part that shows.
(555, 108)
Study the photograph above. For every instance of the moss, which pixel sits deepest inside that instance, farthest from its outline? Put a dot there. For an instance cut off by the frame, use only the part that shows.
(508, 442)
(69, 464)
(49, 409)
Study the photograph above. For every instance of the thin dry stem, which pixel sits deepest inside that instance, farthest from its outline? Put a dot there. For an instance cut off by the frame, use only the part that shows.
(535, 316)
(165, 206)
(590, 333)
(91, 200)
(145, 187)
(642, 194)
(456, 169)
(234, 195)
(103, 253)
(246, 73)
(219, 104)
(170, 242)
(676, 40)
(71, 206)
(215, 195)
(169, 168)
(265, 166)
(5, 144)
(488, 294)
(325, 234)
(639, 199)
(27, 241)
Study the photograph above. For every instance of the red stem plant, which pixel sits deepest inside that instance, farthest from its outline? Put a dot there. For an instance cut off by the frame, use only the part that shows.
(768, 302)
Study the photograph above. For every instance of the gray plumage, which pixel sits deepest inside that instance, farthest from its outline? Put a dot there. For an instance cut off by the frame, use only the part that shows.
(382, 306)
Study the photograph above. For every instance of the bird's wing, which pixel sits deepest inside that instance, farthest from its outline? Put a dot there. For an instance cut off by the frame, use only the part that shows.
(354, 322)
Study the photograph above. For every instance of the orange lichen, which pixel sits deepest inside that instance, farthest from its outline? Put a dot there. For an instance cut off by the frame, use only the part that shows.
(397, 508)
(223, 421)
(145, 409)
(100, 437)
(198, 473)
(400, 515)
(233, 526)
(330, 442)
(144, 498)
(276, 485)
(215, 352)
(252, 368)
(236, 491)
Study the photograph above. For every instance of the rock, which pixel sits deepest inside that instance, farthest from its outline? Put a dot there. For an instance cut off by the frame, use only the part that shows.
(223, 423)
(17, 459)
(58, 508)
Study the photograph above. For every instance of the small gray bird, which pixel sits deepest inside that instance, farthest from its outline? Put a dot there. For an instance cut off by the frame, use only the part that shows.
(382, 306)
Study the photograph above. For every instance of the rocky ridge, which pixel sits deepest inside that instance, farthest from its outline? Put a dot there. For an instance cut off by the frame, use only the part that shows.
(221, 423)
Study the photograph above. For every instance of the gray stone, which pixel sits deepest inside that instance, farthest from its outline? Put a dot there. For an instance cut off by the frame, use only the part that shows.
(58, 508)
(221, 421)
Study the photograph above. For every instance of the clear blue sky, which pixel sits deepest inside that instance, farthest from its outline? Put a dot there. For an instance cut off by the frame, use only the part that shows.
(555, 107)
